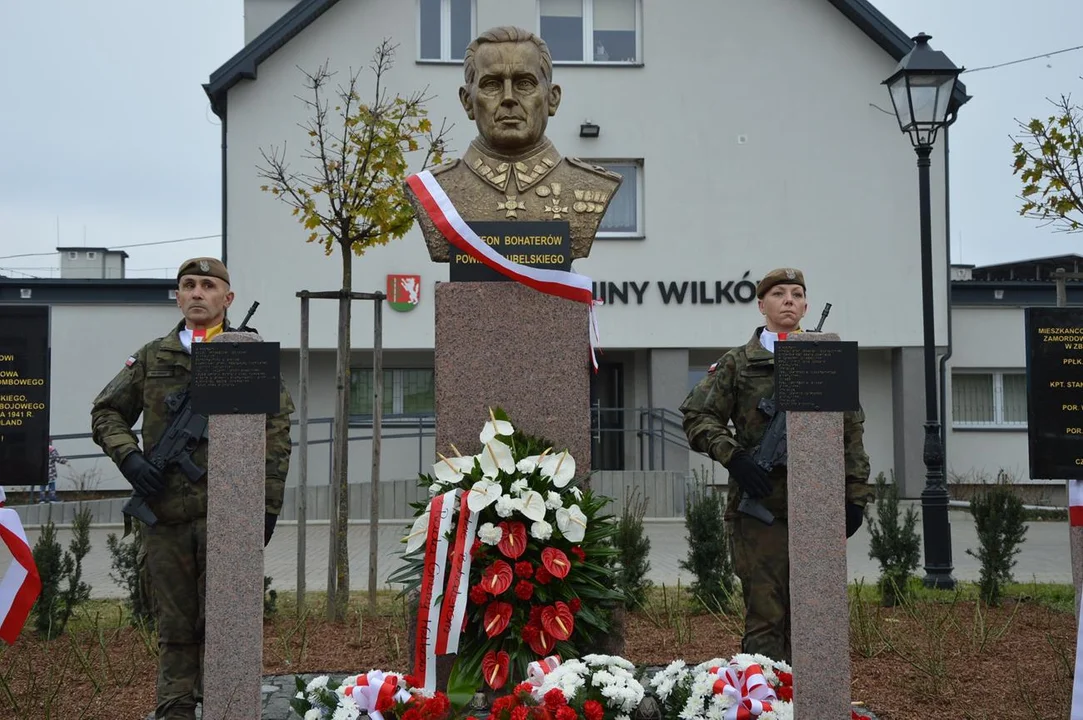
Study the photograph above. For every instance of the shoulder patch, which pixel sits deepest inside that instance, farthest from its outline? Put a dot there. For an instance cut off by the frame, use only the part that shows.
(130, 361)
(714, 366)
(444, 166)
(594, 169)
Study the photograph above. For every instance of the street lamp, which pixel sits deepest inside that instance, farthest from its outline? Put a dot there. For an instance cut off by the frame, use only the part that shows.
(921, 89)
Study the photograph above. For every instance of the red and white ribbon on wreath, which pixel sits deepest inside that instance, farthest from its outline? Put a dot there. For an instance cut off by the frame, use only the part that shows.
(442, 605)
(537, 670)
(20, 585)
(1075, 503)
(375, 689)
(561, 283)
(749, 688)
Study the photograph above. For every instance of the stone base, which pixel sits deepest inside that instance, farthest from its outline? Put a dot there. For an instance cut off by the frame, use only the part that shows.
(501, 344)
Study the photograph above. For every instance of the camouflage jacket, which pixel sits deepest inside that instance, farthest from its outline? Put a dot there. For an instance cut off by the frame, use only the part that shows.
(156, 370)
(731, 392)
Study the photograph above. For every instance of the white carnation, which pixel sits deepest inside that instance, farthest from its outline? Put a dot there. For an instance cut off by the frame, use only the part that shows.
(553, 500)
(313, 714)
(317, 682)
(490, 534)
(541, 530)
(507, 505)
(519, 487)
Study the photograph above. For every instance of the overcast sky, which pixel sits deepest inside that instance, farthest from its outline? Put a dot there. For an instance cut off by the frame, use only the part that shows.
(108, 138)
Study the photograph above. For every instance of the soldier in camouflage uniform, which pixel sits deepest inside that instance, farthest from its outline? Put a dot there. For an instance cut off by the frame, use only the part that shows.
(731, 392)
(176, 547)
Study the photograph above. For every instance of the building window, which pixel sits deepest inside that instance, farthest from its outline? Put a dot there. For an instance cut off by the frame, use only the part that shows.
(445, 28)
(407, 392)
(624, 216)
(591, 31)
(988, 399)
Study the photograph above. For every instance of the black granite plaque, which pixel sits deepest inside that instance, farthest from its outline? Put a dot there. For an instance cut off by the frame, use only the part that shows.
(818, 376)
(24, 394)
(1055, 392)
(535, 243)
(235, 377)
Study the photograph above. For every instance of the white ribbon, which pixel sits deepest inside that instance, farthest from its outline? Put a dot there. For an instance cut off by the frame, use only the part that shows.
(537, 670)
(21, 584)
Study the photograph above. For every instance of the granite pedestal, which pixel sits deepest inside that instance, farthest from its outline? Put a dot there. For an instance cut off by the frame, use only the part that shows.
(233, 653)
(819, 612)
(502, 344)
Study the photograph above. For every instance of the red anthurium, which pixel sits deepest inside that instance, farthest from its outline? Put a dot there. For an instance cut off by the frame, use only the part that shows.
(556, 562)
(540, 641)
(558, 621)
(513, 542)
(496, 578)
(494, 667)
(497, 617)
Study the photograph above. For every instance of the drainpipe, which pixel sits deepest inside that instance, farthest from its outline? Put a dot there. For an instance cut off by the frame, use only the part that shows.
(947, 252)
(224, 206)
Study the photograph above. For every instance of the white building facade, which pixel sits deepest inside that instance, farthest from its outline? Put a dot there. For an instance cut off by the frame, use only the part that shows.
(750, 136)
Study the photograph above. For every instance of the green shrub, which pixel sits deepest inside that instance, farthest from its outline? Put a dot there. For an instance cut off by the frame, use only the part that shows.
(1000, 522)
(55, 605)
(635, 547)
(708, 546)
(897, 547)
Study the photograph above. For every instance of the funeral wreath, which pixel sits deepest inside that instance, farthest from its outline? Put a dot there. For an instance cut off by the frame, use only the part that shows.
(513, 561)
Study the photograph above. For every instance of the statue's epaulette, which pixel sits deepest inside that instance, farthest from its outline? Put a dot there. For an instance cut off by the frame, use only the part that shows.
(595, 169)
(444, 166)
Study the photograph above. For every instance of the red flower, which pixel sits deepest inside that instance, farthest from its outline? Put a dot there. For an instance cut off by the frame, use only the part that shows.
(555, 698)
(524, 569)
(542, 576)
(785, 678)
(494, 667)
(478, 596)
(497, 617)
(384, 702)
(593, 710)
(475, 548)
(523, 687)
(412, 713)
(557, 620)
(513, 541)
(523, 590)
(540, 641)
(540, 712)
(785, 693)
(575, 605)
(535, 615)
(578, 552)
(520, 713)
(556, 562)
(496, 578)
(566, 713)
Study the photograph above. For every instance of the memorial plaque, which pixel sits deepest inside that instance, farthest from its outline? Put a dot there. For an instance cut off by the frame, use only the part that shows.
(817, 376)
(539, 243)
(24, 394)
(235, 378)
(1055, 392)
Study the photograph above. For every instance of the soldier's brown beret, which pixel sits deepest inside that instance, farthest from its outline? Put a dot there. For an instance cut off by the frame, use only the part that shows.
(211, 267)
(780, 276)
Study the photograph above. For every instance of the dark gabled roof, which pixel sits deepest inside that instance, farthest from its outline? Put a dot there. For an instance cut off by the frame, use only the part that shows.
(242, 66)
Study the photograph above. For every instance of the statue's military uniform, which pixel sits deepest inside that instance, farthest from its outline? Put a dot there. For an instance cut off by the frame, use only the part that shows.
(731, 392)
(541, 186)
(176, 546)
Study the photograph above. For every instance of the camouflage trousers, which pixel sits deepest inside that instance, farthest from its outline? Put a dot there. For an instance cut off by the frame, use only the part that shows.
(177, 566)
(761, 560)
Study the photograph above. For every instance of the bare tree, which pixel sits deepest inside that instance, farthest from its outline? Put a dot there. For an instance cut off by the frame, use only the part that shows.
(352, 198)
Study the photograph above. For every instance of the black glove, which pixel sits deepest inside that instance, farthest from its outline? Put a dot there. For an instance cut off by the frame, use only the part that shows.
(144, 478)
(749, 476)
(854, 515)
(269, 522)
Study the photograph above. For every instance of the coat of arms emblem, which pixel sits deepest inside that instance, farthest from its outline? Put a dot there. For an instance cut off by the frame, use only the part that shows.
(403, 292)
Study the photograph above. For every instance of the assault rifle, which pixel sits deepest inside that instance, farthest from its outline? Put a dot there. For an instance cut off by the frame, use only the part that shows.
(186, 430)
(772, 448)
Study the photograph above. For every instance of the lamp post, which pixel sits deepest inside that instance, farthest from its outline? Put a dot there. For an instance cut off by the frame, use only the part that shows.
(921, 89)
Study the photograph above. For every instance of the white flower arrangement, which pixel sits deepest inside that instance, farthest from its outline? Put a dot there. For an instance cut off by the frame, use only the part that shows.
(712, 689)
(608, 675)
(536, 491)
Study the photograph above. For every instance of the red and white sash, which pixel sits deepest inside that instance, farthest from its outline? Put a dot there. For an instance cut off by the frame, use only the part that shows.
(570, 285)
(20, 585)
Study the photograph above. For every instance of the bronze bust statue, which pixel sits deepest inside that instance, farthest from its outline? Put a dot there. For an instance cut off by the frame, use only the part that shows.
(511, 170)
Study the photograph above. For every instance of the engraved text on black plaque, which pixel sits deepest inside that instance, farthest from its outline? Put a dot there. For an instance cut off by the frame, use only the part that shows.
(816, 376)
(230, 378)
(1055, 392)
(535, 243)
(24, 394)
